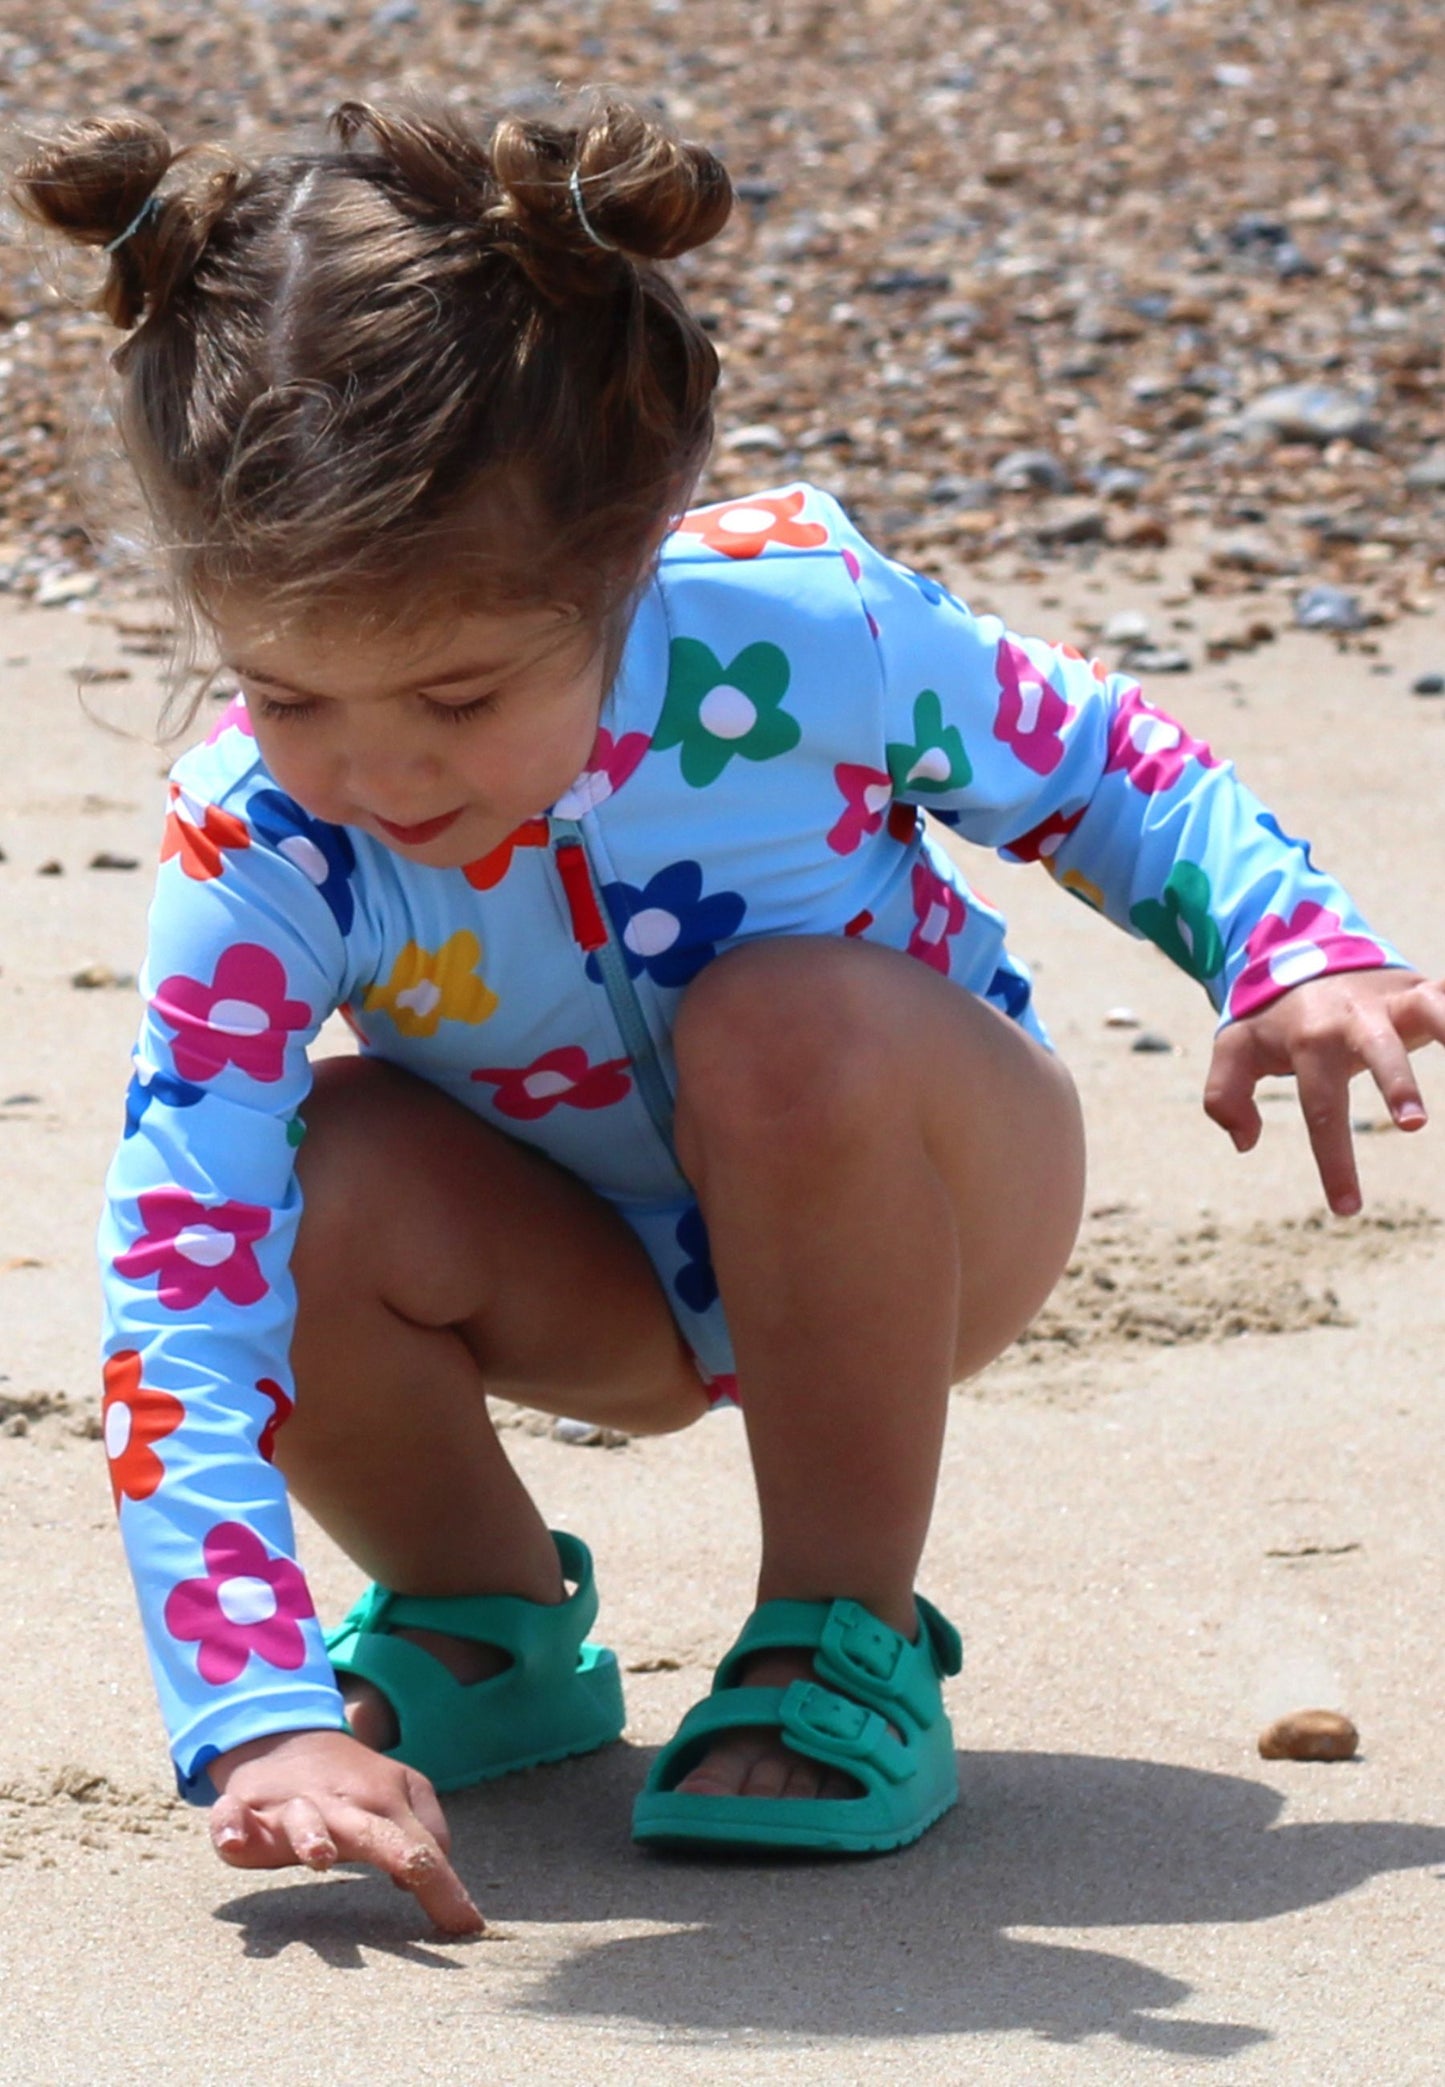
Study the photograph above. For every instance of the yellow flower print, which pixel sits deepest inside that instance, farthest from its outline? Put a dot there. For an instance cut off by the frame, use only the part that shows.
(1075, 881)
(428, 986)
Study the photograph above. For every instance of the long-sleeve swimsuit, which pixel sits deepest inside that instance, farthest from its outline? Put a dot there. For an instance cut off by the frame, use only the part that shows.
(788, 703)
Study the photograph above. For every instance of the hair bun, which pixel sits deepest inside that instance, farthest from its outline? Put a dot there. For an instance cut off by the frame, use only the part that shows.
(646, 192)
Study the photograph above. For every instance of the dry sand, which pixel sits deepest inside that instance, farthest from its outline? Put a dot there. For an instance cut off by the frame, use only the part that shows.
(1206, 1492)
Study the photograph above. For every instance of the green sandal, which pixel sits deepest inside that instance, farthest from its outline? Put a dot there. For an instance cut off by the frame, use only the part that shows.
(560, 1696)
(869, 1678)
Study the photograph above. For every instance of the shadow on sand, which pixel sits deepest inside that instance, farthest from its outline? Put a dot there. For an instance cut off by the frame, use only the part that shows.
(919, 1945)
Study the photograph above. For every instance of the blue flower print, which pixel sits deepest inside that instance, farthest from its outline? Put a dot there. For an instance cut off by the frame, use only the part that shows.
(1008, 991)
(931, 591)
(321, 852)
(695, 1282)
(668, 929)
(164, 1087)
(1271, 825)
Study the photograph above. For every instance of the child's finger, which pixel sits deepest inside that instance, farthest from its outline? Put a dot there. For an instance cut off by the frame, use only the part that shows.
(425, 1803)
(410, 1855)
(1324, 1097)
(1419, 1014)
(1229, 1088)
(1388, 1062)
(310, 1837)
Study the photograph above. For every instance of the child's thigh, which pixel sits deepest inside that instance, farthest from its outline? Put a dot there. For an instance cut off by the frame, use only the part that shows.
(412, 1202)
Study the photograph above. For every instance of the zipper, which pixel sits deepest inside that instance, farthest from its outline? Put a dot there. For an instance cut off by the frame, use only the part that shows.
(595, 932)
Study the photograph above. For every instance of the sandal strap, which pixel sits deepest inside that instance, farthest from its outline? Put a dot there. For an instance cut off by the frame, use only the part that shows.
(538, 1635)
(856, 1652)
(816, 1722)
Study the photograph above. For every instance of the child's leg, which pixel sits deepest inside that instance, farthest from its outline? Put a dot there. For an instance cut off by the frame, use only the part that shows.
(892, 1176)
(437, 1261)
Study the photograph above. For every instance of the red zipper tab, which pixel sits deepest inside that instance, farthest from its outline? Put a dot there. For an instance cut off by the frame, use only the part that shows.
(587, 923)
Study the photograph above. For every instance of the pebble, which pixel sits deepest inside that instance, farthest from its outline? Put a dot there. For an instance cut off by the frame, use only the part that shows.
(1428, 685)
(1328, 608)
(758, 436)
(93, 978)
(581, 1432)
(1031, 470)
(106, 859)
(1076, 521)
(1315, 413)
(1428, 475)
(1126, 627)
(58, 588)
(1150, 1042)
(51, 869)
(1310, 1735)
(1121, 1018)
(1156, 659)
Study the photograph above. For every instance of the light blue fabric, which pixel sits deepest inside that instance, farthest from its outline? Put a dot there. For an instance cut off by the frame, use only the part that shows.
(787, 694)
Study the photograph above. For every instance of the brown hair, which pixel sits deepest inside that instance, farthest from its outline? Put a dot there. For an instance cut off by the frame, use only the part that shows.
(419, 364)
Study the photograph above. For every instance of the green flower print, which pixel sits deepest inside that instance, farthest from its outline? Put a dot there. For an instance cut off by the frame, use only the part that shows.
(714, 711)
(934, 760)
(1183, 925)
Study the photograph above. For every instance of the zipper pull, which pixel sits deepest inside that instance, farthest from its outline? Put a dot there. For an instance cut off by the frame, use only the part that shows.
(588, 926)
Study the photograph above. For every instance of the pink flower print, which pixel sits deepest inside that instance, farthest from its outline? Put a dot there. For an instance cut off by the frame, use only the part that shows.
(281, 1408)
(859, 924)
(855, 573)
(200, 834)
(609, 764)
(867, 794)
(744, 528)
(489, 870)
(248, 1602)
(1283, 953)
(234, 718)
(1045, 839)
(133, 1417)
(194, 1248)
(241, 1018)
(1151, 747)
(940, 912)
(1031, 712)
(529, 1091)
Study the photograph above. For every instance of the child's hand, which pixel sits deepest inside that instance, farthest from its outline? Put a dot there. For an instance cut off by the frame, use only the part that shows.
(1324, 1032)
(318, 1798)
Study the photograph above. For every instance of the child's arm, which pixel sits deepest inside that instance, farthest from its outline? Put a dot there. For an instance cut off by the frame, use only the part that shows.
(1032, 750)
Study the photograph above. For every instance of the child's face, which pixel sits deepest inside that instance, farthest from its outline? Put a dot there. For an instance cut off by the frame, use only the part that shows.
(439, 744)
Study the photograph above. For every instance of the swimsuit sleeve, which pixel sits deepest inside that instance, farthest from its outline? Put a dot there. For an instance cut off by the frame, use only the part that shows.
(246, 958)
(1035, 751)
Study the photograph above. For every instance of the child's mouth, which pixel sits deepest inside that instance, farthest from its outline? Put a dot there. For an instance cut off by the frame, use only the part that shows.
(415, 836)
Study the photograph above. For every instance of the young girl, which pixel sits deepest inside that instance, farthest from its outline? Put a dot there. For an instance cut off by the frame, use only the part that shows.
(691, 1068)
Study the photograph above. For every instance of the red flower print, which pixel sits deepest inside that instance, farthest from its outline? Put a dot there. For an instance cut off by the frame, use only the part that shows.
(194, 1248)
(743, 528)
(1031, 712)
(867, 794)
(860, 923)
(609, 764)
(1043, 840)
(1151, 747)
(281, 1409)
(234, 718)
(489, 870)
(529, 1091)
(199, 835)
(940, 912)
(1073, 652)
(242, 1018)
(249, 1602)
(1283, 953)
(132, 1418)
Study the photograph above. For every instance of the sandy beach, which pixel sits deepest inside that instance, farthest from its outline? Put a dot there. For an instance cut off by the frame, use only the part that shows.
(1203, 1492)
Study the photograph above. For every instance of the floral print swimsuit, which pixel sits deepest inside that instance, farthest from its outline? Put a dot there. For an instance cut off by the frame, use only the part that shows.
(788, 704)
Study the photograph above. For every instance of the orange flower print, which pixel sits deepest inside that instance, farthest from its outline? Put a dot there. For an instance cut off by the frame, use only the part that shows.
(132, 1418)
(200, 834)
(743, 528)
(431, 986)
(489, 870)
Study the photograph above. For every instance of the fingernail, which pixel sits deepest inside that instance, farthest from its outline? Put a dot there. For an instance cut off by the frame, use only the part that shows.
(230, 1837)
(1347, 1206)
(1409, 1115)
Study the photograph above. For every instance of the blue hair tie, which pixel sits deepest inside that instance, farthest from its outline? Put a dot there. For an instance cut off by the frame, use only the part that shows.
(575, 185)
(151, 203)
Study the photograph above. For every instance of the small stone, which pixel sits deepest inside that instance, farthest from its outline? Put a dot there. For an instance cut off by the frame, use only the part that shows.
(1126, 627)
(107, 860)
(1138, 532)
(19, 1101)
(392, 12)
(1310, 1735)
(51, 869)
(17, 1424)
(580, 1432)
(758, 436)
(1315, 413)
(896, 282)
(1121, 1018)
(1075, 521)
(1428, 685)
(1428, 475)
(1120, 484)
(1157, 659)
(969, 493)
(1328, 608)
(1031, 470)
(93, 978)
(1151, 1043)
(57, 588)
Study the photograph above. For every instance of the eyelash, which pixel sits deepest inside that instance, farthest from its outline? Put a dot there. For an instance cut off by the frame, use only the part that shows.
(453, 713)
